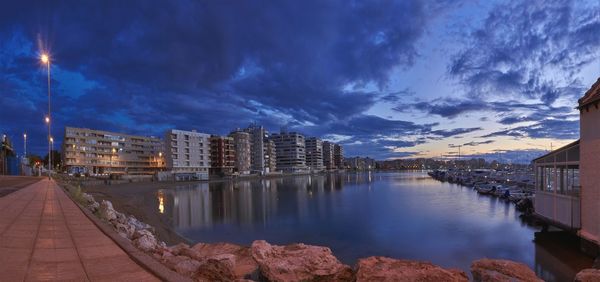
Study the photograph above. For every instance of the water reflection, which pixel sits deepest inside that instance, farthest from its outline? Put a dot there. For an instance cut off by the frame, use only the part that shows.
(403, 215)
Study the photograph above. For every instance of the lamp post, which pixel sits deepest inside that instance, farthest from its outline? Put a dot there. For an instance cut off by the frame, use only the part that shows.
(111, 155)
(52, 148)
(25, 145)
(46, 60)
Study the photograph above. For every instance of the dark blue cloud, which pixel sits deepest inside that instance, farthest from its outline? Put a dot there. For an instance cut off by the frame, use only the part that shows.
(211, 65)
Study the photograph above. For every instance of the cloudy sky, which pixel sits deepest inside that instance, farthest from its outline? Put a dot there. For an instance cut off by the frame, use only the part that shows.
(386, 79)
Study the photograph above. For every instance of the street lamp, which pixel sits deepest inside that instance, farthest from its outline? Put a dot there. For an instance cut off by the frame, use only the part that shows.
(25, 145)
(46, 61)
(113, 151)
(52, 147)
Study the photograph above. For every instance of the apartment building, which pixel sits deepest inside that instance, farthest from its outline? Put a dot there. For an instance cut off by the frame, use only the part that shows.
(290, 151)
(188, 154)
(258, 161)
(222, 155)
(328, 151)
(241, 145)
(314, 154)
(103, 152)
(338, 156)
(270, 154)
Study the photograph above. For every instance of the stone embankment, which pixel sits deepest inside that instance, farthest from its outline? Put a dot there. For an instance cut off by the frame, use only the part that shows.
(296, 262)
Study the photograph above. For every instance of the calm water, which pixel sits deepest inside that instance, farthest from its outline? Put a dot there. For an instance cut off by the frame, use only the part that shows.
(401, 215)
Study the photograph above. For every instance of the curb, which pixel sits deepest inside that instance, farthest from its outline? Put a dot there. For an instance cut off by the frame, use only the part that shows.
(144, 260)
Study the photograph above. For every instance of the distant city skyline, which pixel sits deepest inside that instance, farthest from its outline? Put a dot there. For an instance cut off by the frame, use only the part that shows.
(403, 79)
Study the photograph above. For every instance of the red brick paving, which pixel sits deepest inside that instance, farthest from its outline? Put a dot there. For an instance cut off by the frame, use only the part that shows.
(44, 236)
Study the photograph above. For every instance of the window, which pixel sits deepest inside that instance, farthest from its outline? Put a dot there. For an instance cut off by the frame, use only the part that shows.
(187, 143)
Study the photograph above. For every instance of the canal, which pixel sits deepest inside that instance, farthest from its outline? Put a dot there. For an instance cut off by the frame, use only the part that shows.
(397, 214)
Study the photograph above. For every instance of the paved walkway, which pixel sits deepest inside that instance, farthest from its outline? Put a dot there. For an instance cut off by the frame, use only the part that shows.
(45, 236)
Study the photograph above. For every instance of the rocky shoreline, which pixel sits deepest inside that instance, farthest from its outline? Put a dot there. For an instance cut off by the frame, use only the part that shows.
(295, 262)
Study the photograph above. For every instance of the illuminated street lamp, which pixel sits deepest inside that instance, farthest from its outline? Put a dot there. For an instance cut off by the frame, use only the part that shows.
(25, 145)
(46, 61)
(111, 155)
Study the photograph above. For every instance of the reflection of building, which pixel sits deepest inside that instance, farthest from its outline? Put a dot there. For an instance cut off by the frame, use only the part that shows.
(568, 190)
(188, 153)
(96, 151)
(222, 155)
(290, 151)
(314, 154)
(241, 145)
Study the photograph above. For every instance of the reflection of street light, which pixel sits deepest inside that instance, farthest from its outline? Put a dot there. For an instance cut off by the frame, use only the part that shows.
(46, 61)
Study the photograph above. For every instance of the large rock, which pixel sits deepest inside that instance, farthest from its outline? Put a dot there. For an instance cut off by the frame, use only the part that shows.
(87, 197)
(182, 264)
(138, 225)
(244, 265)
(501, 270)
(299, 262)
(217, 268)
(588, 275)
(107, 211)
(125, 230)
(144, 240)
(388, 269)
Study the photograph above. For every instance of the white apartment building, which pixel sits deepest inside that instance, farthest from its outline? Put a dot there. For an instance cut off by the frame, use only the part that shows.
(187, 154)
(290, 151)
(314, 154)
(103, 152)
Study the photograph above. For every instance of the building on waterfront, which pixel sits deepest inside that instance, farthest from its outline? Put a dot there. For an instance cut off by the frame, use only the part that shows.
(359, 163)
(328, 159)
(187, 154)
(314, 154)
(103, 152)
(567, 186)
(241, 145)
(222, 155)
(258, 158)
(290, 151)
(338, 156)
(270, 154)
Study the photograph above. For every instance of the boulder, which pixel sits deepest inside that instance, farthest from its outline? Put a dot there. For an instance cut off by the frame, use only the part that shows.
(244, 266)
(144, 240)
(178, 249)
(588, 275)
(87, 198)
(501, 270)
(126, 231)
(137, 224)
(299, 262)
(107, 211)
(93, 207)
(217, 268)
(388, 269)
(181, 264)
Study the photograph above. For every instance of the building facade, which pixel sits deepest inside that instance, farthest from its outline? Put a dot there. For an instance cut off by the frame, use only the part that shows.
(359, 163)
(567, 186)
(188, 154)
(589, 128)
(241, 145)
(338, 156)
(222, 155)
(290, 151)
(314, 154)
(270, 154)
(103, 152)
(328, 160)
(258, 134)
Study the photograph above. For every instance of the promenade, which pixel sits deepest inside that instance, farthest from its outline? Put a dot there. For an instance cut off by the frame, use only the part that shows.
(45, 236)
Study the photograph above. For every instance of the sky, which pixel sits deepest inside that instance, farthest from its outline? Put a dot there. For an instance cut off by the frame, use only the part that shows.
(386, 79)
